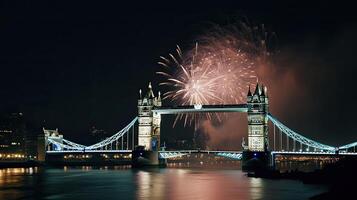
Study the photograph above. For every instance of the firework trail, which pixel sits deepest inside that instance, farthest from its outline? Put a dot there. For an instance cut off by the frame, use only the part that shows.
(217, 70)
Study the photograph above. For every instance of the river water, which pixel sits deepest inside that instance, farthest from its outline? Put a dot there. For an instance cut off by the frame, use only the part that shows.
(106, 183)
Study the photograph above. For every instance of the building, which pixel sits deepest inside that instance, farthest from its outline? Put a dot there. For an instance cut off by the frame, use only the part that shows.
(149, 122)
(12, 136)
(258, 108)
(18, 142)
(12, 132)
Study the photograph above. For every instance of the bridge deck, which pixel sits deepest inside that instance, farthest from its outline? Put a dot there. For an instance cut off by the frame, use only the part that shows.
(201, 108)
(311, 153)
(89, 151)
(129, 151)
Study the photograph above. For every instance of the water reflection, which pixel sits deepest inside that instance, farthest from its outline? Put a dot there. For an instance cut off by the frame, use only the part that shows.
(13, 175)
(150, 185)
(16, 183)
(123, 183)
(256, 188)
(199, 184)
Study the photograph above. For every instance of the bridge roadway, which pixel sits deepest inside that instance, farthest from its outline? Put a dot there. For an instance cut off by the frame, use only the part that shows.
(130, 151)
(201, 108)
(237, 155)
(311, 153)
(88, 151)
(228, 154)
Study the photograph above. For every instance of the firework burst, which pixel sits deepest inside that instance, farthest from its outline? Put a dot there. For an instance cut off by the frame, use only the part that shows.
(217, 70)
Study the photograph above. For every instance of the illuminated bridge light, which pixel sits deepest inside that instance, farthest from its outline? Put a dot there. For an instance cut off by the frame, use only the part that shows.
(236, 156)
(166, 155)
(198, 106)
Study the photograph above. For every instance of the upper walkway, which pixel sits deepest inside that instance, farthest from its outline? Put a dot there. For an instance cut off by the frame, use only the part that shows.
(201, 108)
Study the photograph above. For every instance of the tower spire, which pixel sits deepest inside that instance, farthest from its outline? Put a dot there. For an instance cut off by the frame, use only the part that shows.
(150, 93)
(256, 92)
(262, 90)
(266, 91)
(249, 92)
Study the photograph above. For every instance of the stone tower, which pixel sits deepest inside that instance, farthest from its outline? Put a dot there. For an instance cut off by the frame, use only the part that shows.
(149, 122)
(258, 109)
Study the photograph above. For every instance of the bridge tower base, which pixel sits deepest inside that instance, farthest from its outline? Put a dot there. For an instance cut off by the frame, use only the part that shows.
(146, 158)
(256, 161)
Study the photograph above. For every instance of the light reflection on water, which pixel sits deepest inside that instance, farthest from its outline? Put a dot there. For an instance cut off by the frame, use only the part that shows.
(125, 183)
(256, 188)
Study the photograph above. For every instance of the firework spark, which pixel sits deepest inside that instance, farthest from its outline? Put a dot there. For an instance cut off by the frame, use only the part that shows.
(218, 70)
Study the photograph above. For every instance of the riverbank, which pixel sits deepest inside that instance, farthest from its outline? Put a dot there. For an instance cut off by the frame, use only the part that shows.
(15, 164)
(340, 177)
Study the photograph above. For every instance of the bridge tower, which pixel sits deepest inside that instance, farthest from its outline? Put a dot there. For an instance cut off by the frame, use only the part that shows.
(258, 109)
(149, 122)
(146, 152)
(256, 155)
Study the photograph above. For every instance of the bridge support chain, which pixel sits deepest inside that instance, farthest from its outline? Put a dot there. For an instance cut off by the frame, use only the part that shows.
(299, 138)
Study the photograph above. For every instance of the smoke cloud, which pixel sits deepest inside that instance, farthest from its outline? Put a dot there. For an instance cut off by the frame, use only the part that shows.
(283, 88)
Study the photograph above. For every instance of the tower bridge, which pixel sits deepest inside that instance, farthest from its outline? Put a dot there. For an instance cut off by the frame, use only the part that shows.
(147, 148)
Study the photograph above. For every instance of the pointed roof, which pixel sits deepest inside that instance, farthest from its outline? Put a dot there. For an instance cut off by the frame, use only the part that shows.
(256, 92)
(262, 91)
(150, 93)
(249, 93)
(159, 96)
(266, 91)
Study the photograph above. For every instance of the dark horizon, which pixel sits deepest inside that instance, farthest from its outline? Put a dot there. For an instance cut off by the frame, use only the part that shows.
(72, 65)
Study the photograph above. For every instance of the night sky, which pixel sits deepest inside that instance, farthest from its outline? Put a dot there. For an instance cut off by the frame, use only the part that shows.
(73, 65)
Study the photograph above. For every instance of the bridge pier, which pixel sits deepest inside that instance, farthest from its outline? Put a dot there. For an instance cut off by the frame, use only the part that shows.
(146, 158)
(253, 161)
